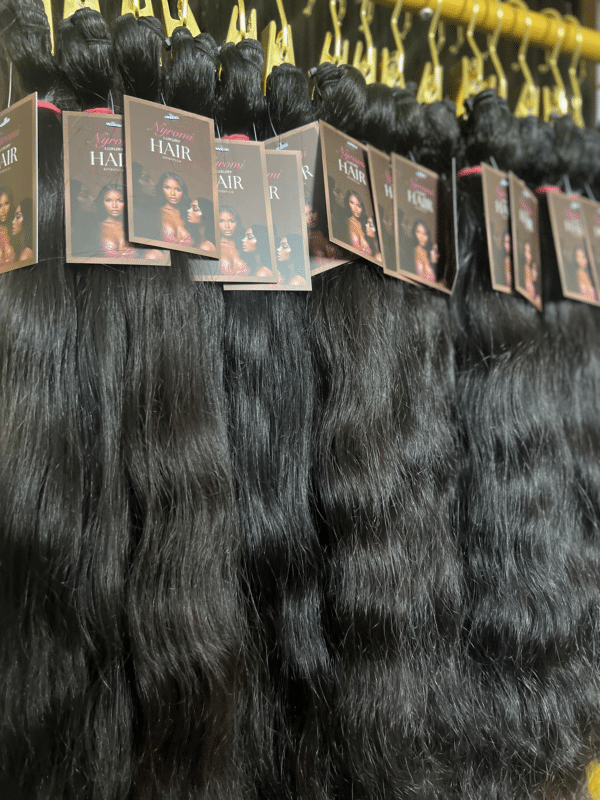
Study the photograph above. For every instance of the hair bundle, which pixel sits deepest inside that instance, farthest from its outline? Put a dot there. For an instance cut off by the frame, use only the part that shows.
(270, 545)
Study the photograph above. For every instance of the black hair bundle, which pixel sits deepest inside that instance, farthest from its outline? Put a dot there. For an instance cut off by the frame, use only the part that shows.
(270, 385)
(383, 462)
(516, 520)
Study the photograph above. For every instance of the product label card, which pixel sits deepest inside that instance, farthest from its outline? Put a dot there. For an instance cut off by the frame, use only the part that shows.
(497, 223)
(526, 241)
(171, 178)
(350, 213)
(591, 220)
(18, 185)
(577, 274)
(380, 175)
(95, 193)
(245, 223)
(420, 248)
(324, 254)
(382, 189)
(286, 194)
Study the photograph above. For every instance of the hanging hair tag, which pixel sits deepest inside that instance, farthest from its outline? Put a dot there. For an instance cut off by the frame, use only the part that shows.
(382, 189)
(95, 196)
(350, 211)
(573, 233)
(421, 241)
(19, 185)
(324, 255)
(286, 199)
(525, 241)
(175, 149)
(495, 186)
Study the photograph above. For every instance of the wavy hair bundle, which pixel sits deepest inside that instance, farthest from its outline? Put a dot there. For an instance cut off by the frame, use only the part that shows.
(269, 545)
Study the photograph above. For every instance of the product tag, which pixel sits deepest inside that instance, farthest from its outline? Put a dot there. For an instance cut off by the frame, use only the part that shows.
(526, 241)
(171, 178)
(591, 217)
(286, 195)
(350, 213)
(497, 225)
(577, 274)
(419, 245)
(95, 193)
(324, 254)
(245, 224)
(382, 189)
(19, 185)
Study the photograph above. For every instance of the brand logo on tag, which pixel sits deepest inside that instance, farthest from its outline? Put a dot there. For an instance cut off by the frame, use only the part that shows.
(421, 175)
(223, 149)
(4, 122)
(351, 144)
(114, 124)
(171, 116)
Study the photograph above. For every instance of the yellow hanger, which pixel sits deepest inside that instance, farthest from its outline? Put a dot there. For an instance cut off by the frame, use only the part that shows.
(460, 40)
(71, 6)
(554, 98)
(431, 87)
(341, 47)
(185, 18)
(48, 10)
(492, 42)
(472, 81)
(236, 32)
(367, 65)
(528, 104)
(391, 65)
(278, 47)
(576, 100)
(307, 11)
(133, 7)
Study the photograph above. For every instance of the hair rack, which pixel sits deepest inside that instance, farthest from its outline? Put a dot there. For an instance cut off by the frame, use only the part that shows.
(544, 28)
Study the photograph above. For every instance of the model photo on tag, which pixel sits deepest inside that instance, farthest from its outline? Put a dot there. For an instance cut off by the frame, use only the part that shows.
(286, 197)
(577, 274)
(244, 217)
(171, 178)
(351, 217)
(495, 186)
(526, 241)
(324, 254)
(18, 185)
(95, 193)
(420, 249)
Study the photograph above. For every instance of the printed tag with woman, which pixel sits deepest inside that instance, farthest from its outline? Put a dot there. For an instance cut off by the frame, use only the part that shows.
(95, 193)
(350, 212)
(18, 185)
(171, 178)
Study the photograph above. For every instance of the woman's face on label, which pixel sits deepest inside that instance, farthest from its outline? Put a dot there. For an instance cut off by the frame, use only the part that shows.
(4, 207)
(581, 258)
(370, 227)
(172, 191)
(194, 213)
(249, 242)
(17, 222)
(114, 203)
(311, 215)
(421, 234)
(355, 205)
(284, 251)
(227, 223)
